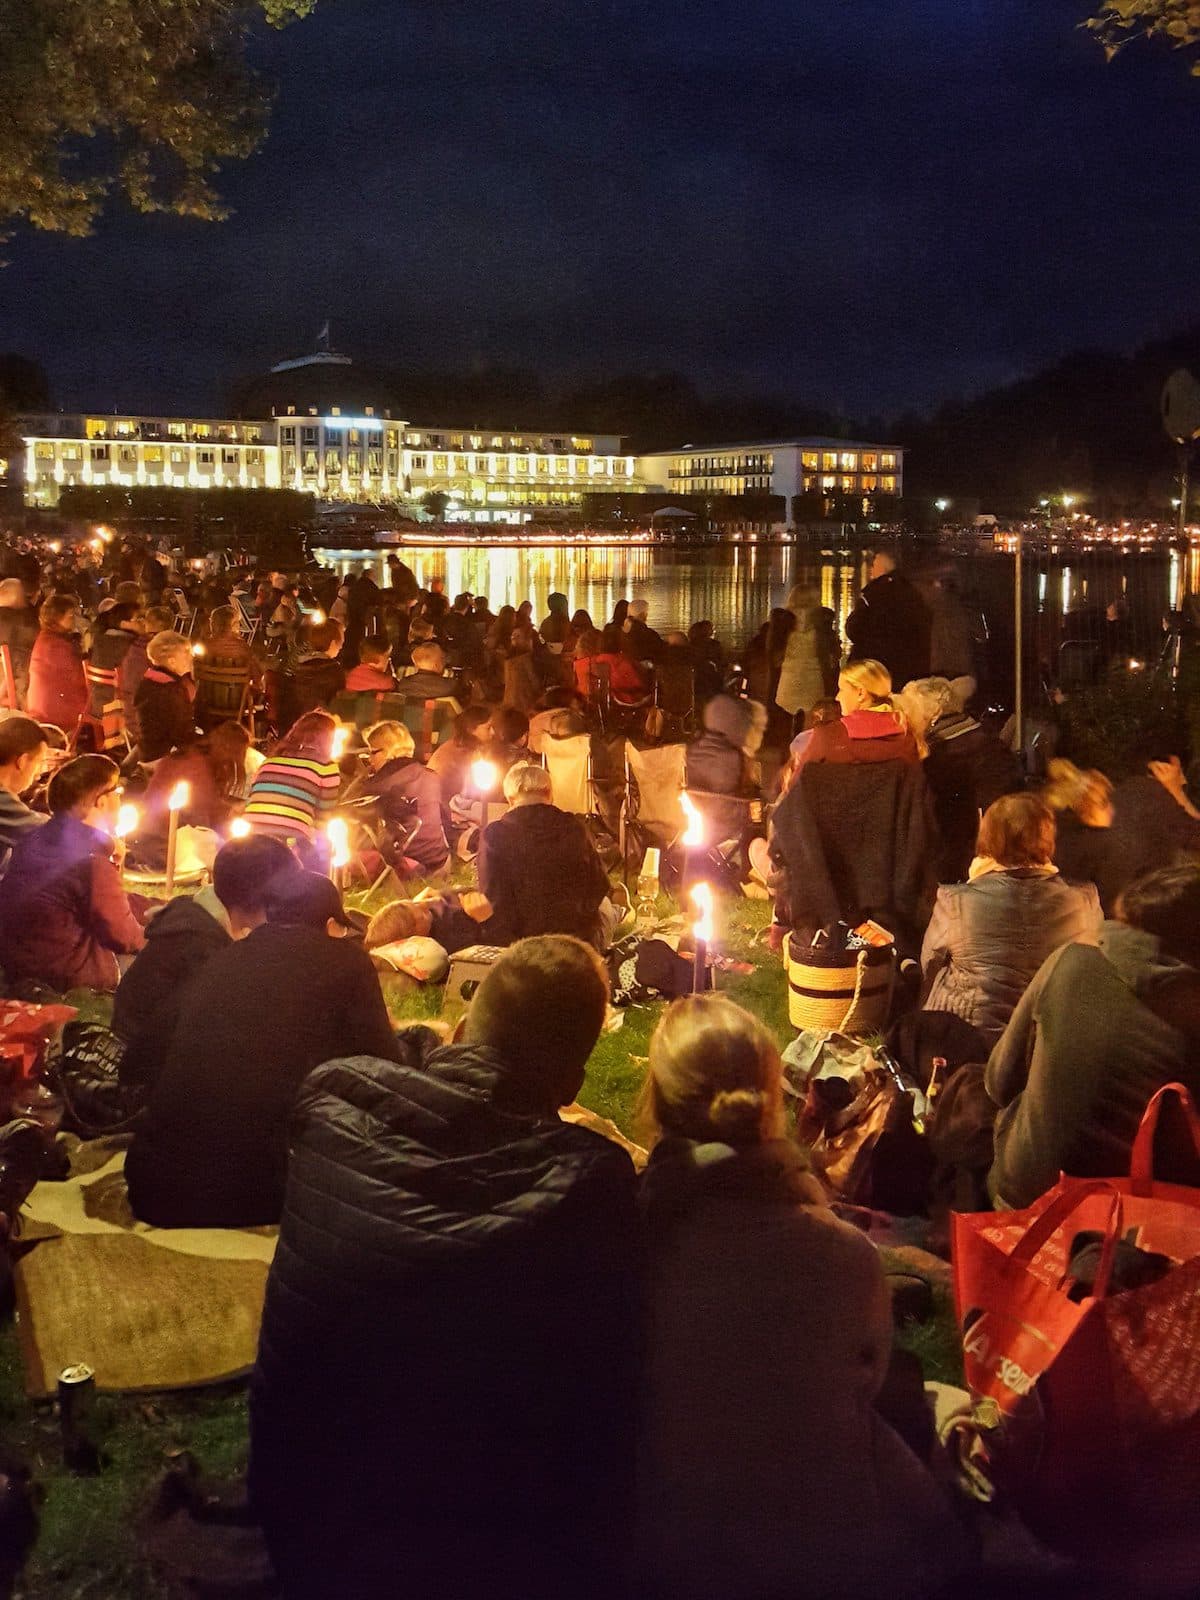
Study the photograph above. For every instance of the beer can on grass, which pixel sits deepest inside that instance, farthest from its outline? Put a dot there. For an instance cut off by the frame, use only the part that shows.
(77, 1418)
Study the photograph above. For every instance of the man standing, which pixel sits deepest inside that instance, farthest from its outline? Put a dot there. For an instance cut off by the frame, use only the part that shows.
(442, 1401)
(890, 623)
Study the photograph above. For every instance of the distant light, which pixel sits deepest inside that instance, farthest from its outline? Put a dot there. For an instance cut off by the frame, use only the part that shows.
(370, 424)
(942, 505)
(1069, 500)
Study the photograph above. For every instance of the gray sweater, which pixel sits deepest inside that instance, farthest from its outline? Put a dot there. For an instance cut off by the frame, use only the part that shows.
(1096, 1033)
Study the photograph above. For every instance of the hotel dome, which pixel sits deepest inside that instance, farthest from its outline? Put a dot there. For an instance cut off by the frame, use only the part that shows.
(322, 383)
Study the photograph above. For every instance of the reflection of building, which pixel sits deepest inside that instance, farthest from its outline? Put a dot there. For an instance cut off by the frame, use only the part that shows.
(822, 472)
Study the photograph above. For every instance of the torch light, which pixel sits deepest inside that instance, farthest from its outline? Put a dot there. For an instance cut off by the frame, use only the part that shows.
(176, 800)
(483, 781)
(239, 828)
(702, 934)
(337, 831)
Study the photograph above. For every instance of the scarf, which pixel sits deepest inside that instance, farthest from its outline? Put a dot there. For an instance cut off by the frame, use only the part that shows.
(983, 865)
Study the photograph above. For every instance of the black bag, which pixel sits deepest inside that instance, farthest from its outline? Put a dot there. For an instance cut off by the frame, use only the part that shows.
(87, 1074)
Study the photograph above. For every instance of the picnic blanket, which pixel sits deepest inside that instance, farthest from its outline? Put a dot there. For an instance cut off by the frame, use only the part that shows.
(146, 1308)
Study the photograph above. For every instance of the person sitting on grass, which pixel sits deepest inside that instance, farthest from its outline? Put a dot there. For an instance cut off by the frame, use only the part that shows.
(768, 1333)
(1101, 1027)
(181, 938)
(406, 791)
(296, 788)
(23, 751)
(316, 676)
(373, 674)
(211, 1151)
(540, 869)
(65, 919)
(450, 1315)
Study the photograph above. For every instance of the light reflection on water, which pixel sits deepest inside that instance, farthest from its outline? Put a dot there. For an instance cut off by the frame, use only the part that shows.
(735, 586)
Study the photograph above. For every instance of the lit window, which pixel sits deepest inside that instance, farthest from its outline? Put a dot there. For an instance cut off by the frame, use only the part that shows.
(71, 452)
(870, 481)
(335, 411)
(829, 483)
(152, 455)
(887, 484)
(128, 456)
(43, 450)
(205, 457)
(439, 463)
(392, 437)
(96, 427)
(522, 465)
(887, 460)
(201, 430)
(177, 430)
(849, 460)
(178, 456)
(310, 462)
(848, 481)
(254, 434)
(368, 411)
(229, 458)
(291, 411)
(829, 461)
(308, 435)
(374, 460)
(418, 463)
(870, 461)
(497, 442)
(333, 461)
(99, 452)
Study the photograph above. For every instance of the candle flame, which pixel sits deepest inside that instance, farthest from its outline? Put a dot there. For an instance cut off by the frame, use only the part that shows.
(341, 738)
(702, 900)
(127, 820)
(337, 831)
(483, 776)
(179, 796)
(197, 649)
(239, 828)
(317, 617)
(693, 834)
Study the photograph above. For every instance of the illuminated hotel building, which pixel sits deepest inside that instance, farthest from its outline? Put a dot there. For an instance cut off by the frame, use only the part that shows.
(816, 469)
(156, 452)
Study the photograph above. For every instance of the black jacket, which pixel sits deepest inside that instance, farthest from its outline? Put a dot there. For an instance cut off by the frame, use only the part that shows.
(164, 714)
(446, 1364)
(542, 874)
(310, 685)
(966, 769)
(858, 841)
(180, 940)
(405, 786)
(891, 623)
(252, 1025)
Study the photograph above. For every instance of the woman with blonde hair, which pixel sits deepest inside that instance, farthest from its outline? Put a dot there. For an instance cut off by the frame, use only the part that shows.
(764, 1469)
(808, 670)
(871, 728)
(407, 793)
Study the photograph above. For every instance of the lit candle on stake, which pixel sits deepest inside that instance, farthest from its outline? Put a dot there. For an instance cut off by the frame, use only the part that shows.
(127, 820)
(197, 649)
(341, 738)
(483, 781)
(337, 831)
(239, 828)
(702, 934)
(176, 800)
(316, 618)
(693, 834)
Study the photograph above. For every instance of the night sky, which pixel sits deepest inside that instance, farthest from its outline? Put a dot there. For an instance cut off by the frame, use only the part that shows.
(866, 204)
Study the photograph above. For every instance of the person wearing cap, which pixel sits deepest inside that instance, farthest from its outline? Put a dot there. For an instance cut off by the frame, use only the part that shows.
(442, 1403)
(638, 639)
(252, 1024)
(182, 938)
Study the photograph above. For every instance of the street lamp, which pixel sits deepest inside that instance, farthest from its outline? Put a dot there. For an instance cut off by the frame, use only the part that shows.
(942, 505)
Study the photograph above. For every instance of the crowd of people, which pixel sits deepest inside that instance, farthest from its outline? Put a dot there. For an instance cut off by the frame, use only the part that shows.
(493, 1358)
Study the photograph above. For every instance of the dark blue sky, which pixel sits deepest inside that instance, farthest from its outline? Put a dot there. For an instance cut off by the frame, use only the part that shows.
(871, 204)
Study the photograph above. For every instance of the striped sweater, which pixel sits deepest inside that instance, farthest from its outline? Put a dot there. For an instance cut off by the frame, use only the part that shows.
(292, 795)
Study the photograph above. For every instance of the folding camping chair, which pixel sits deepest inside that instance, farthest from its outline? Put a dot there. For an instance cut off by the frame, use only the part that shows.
(652, 812)
(105, 715)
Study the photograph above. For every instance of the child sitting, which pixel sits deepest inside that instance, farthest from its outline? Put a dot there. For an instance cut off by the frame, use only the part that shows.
(373, 674)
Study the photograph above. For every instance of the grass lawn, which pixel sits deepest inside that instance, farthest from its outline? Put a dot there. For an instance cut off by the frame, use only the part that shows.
(87, 1546)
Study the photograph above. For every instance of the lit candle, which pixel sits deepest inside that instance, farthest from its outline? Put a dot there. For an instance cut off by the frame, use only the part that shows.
(702, 934)
(316, 617)
(176, 800)
(693, 834)
(341, 738)
(337, 831)
(239, 828)
(127, 820)
(197, 649)
(483, 780)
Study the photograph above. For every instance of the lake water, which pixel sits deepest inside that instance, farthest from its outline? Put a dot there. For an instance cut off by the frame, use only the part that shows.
(735, 586)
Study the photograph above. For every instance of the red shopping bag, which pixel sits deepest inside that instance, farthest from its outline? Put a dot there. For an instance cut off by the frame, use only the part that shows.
(25, 1031)
(1104, 1394)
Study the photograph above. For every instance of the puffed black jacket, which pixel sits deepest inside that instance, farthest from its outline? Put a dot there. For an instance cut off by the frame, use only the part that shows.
(441, 1404)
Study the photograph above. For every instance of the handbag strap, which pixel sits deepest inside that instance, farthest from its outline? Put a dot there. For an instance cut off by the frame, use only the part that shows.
(1040, 1231)
(1141, 1164)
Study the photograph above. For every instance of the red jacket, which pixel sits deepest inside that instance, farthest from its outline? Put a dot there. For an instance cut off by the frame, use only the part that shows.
(364, 680)
(862, 736)
(64, 914)
(58, 691)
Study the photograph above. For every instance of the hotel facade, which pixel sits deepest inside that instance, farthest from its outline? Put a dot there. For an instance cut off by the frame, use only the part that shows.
(320, 426)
